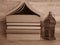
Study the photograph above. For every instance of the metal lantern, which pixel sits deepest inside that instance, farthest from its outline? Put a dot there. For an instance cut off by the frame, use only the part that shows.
(48, 28)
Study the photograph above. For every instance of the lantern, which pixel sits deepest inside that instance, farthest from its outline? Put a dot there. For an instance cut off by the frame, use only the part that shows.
(48, 28)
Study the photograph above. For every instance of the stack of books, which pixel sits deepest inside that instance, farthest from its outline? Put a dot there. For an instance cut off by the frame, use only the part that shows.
(23, 27)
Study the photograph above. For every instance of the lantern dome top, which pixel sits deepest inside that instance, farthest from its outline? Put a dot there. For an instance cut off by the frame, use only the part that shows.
(50, 19)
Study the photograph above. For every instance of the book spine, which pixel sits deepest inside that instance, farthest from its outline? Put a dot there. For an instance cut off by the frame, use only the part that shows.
(23, 31)
(23, 36)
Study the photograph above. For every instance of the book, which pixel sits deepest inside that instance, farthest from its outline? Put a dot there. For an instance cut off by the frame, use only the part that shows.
(22, 18)
(22, 27)
(23, 36)
(23, 24)
(23, 31)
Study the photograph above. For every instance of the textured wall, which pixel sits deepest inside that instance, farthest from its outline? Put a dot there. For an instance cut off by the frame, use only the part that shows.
(42, 7)
(37, 0)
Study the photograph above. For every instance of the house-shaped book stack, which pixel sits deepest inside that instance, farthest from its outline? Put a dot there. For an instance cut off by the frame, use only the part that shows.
(23, 24)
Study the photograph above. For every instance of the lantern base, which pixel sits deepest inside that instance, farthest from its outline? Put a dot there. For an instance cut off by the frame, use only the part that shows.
(49, 38)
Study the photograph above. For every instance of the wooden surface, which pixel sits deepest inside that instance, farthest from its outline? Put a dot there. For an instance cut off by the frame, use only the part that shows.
(39, 42)
(3, 41)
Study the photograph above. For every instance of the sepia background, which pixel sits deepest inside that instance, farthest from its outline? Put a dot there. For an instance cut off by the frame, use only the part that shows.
(42, 6)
